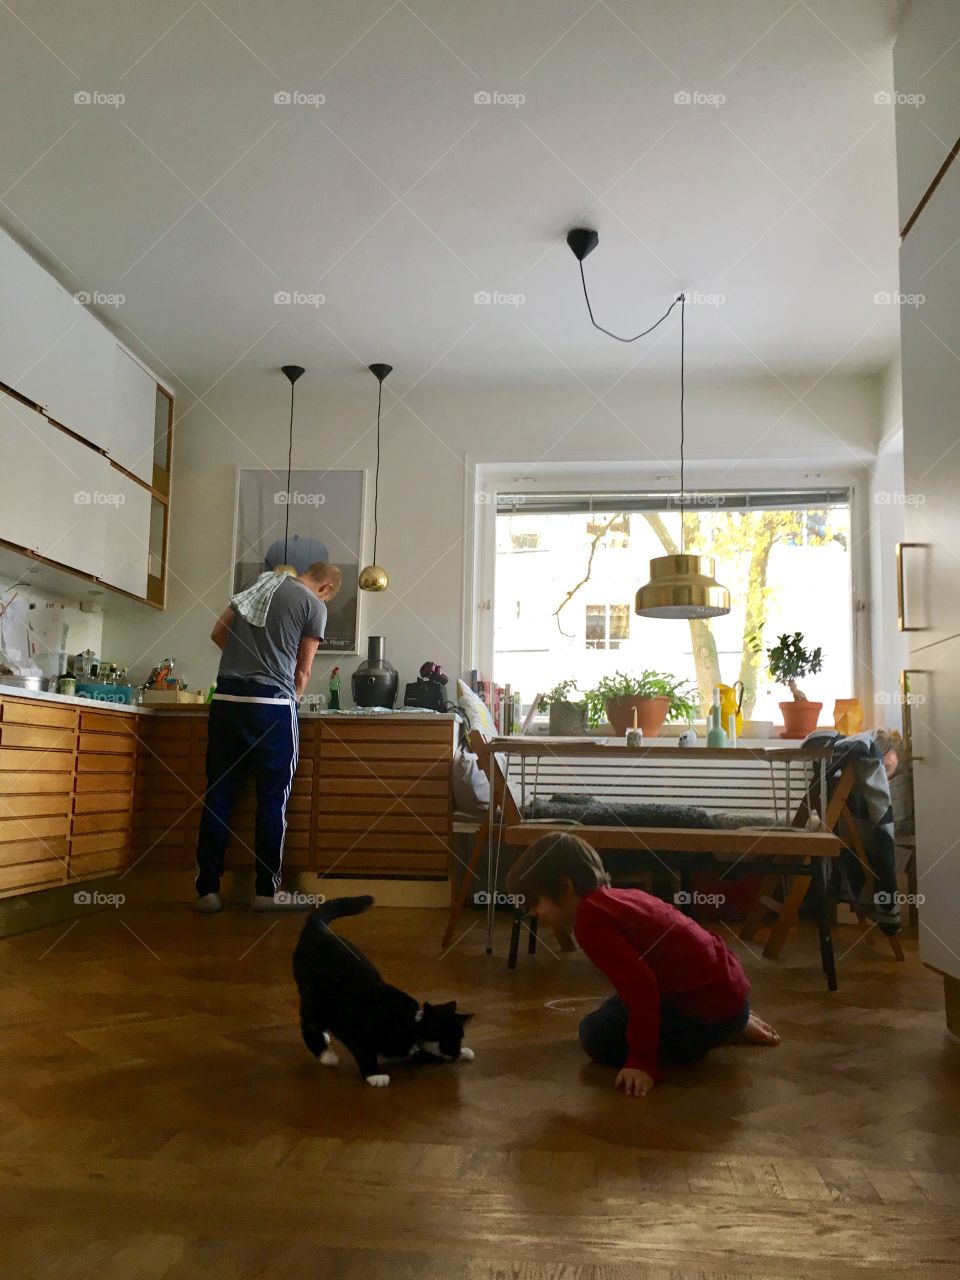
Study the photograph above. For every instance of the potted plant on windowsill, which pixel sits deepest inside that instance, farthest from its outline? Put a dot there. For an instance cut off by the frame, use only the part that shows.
(789, 661)
(656, 695)
(568, 719)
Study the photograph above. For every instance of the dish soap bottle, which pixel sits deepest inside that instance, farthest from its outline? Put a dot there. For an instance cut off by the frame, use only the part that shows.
(716, 736)
(334, 687)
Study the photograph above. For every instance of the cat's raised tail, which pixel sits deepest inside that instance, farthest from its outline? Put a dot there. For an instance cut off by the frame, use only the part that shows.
(337, 907)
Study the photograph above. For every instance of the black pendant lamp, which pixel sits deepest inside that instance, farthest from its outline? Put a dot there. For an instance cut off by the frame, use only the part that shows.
(680, 586)
(373, 577)
(293, 372)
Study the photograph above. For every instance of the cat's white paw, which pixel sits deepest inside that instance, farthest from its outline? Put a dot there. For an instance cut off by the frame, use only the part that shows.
(330, 1057)
(466, 1054)
(378, 1082)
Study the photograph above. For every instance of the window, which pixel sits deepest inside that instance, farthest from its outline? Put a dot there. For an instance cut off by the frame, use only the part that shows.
(607, 625)
(615, 531)
(567, 614)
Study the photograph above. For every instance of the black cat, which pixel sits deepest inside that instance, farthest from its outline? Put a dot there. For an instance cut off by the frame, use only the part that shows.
(343, 995)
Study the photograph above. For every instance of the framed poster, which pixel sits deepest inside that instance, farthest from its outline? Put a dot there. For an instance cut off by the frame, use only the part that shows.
(325, 523)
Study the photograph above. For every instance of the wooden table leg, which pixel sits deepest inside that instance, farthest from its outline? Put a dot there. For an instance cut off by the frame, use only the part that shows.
(792, 902)
(757, 915)
(820, 877)
(460, 895)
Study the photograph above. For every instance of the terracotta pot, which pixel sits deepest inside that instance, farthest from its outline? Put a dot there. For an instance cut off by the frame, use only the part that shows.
(799, 718)
(568, 719)
(651, 713)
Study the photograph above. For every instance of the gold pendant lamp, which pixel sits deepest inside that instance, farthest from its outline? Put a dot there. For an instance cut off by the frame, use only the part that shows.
(293, 372)
(373, 577)
(680, 586)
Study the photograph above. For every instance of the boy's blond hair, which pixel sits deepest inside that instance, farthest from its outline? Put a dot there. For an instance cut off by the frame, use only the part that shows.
(320, 571)
(540, 870)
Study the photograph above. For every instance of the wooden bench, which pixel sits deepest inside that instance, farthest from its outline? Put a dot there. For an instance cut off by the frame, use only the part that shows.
(775, 852)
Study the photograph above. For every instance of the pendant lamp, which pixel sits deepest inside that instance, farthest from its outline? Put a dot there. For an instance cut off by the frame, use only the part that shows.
(680, 586)
(293, 372)
(372, 576)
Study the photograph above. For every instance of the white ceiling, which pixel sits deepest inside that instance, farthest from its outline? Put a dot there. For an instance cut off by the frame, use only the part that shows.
(399, 198)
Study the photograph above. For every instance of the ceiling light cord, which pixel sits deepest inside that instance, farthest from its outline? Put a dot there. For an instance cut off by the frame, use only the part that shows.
(376, 483)
(683, 492)
(286, 523)
(618, 336)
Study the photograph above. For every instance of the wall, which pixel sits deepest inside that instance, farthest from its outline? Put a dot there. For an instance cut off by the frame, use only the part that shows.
(887, 522)
(431, 440)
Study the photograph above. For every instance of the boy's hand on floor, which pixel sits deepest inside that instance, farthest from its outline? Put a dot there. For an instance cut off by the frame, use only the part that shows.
(636, 1084)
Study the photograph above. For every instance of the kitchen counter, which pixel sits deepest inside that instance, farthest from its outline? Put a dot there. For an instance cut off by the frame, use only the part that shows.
(201, 708)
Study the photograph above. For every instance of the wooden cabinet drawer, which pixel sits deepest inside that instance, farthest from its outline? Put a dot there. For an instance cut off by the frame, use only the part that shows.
(33, 828)
(39, 761)
(367, 756)
(30, 875)
(22, 711)
(372, 732)
(27, 806)
(16, 851)
(87, 782)
(28, 735)
(21, 782)
(87, 824)
(386, 863)
(87, 866)
(389, 823)
(110, 742)
(413, 790)
(98, 842)
(380, 807)
(343, 840)
(109, 722)
(89, 762)
(101, 802)
(415, 770)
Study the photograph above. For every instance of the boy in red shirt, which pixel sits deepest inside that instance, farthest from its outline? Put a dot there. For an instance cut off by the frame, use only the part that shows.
(680, 992)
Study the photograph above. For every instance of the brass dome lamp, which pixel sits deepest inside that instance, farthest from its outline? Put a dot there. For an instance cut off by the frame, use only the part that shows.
(373, 577)
(681, 585)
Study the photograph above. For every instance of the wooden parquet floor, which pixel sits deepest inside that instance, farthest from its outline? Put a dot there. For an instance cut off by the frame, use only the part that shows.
(161, 1119)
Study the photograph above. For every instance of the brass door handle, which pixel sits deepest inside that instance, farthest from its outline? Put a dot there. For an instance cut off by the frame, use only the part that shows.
(907, 709)
(901, 606)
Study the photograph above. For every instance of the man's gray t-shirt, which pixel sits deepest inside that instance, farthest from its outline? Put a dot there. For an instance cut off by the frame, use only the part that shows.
(268, 654)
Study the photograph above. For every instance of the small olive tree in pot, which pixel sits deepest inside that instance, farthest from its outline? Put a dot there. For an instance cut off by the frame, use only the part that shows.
(568, 719)
(789, 661)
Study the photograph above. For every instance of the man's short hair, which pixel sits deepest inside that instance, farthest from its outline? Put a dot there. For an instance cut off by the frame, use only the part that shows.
(321, 571)
(540, 870)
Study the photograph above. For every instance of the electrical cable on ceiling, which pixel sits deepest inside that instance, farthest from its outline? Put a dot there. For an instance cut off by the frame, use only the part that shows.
(610, 333)
(376, 487)
(286, 523)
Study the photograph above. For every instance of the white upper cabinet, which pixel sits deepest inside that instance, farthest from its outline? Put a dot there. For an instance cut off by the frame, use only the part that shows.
(926, 65)
(53, 350)
(23, 460)
(930, 346)
(133, 415)
(72, 498)
(126, 529)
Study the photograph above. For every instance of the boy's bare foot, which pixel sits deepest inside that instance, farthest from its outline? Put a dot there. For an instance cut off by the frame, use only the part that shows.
(758, 1032)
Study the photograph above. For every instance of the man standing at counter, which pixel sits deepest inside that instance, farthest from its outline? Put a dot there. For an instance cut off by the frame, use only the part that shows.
(268, 636)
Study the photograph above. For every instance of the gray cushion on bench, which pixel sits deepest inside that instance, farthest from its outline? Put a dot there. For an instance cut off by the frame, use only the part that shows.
(595, 812)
